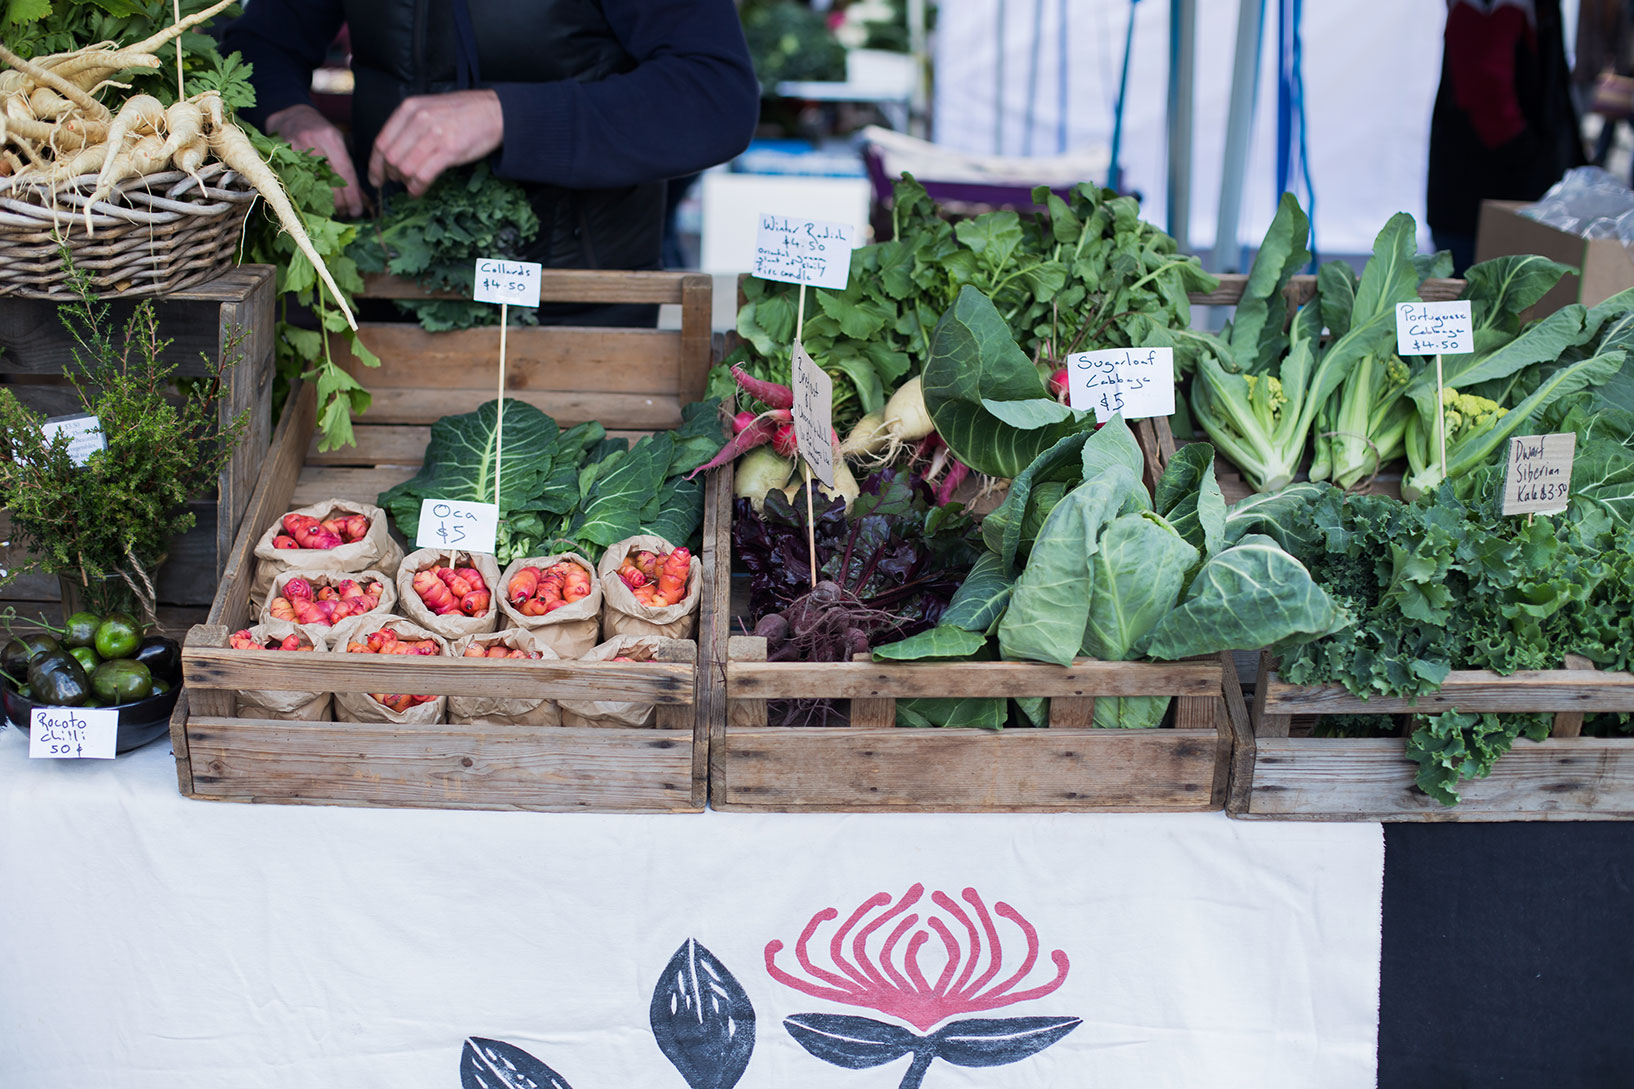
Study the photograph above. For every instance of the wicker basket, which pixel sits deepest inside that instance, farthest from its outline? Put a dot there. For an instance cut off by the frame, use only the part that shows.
(152, 235)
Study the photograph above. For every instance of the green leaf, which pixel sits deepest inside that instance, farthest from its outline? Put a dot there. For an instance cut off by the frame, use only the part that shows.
(1050, 606)
(460, 462)
(982, 597)
(1256, 335)
(1136, 577)
(1030, 415)
(1188, 496)
(974, 359)
(968, 712)
(942, 641)
(1251, 595)
(19, 12)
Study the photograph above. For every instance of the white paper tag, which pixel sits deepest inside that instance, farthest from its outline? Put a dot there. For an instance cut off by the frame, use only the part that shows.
(814, 415)
(1133, 382)
(1538, 475)
(73, 733)
(84, 435)
(451, 524)
(513, 282)
(1434, 328)
(795, 250)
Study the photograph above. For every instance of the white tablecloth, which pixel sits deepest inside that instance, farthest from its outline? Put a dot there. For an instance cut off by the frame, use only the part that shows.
(153, 941)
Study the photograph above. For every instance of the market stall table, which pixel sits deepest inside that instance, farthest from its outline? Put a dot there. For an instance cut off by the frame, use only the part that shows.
(157, 941)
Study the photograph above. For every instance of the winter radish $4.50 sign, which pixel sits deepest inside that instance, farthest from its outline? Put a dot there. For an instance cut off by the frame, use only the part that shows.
(924, 964)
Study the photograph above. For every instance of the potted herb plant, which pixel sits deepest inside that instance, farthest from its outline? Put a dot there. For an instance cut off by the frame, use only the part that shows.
(104, 526)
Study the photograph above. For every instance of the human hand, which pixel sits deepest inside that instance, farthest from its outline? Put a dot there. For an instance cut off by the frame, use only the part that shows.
(427, 134)
(1613, 96)
(304, 127)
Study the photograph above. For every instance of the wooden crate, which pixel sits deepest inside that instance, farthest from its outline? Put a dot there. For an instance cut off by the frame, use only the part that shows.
(35, 351)
(1566, 777)
(535, 768)
(873, 765)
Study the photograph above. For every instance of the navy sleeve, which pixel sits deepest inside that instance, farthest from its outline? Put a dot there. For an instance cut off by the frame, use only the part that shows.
(286, 41)
(690, 102)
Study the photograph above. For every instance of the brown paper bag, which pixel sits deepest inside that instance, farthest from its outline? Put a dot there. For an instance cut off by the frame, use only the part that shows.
(377, 551)
(503, 710)
(388, 598)
(362, 707)
(284, 706)
(643, 648)
(622, 614)
(454, 625)
(571, 631)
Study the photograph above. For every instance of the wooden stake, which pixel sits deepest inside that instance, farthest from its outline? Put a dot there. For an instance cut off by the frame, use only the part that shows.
(176, 6)
(811, 522)
(499, 412)
(1441, 414)
(805, 469)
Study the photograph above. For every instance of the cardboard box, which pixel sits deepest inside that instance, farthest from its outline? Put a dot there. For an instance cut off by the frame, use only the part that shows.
(1605, 262)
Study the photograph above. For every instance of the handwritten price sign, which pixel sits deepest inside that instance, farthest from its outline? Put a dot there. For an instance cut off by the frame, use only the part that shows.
(512, 282)
(73, 733)
(1538, 475)
(1434, 328)
(451, 524)
(814, 415)
(1134, 382)
(813, 251)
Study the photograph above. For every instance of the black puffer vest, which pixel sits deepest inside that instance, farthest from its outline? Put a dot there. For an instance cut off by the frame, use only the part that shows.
(414, 47)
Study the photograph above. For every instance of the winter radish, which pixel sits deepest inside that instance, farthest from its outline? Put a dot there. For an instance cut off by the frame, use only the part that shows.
(759, 471)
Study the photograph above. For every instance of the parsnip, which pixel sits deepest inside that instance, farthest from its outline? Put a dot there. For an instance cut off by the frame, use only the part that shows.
(234, 148)
(47, 78)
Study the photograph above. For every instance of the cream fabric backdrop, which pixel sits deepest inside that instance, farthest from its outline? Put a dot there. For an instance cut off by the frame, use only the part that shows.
(153, 942)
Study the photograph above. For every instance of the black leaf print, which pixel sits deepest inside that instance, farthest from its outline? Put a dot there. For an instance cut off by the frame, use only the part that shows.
(494, 1064)
(994, 1041)
(855, 1043)
(702, 1019)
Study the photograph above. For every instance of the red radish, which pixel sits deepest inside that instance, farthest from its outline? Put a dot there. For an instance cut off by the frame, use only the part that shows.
(770, 394)
(756, 434)
(783, 440)
(1058, 385)
(741, 421)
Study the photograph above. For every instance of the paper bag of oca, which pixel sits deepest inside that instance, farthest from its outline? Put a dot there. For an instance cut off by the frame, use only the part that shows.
(641, 648)
(284, 706)
(624, 615)
(320, 579)
(503, 710)
(572, 630)
(363, 707)
(454, 625)
(375, 551)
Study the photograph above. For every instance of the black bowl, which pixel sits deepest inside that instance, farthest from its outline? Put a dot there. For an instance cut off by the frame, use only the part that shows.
(140, 721)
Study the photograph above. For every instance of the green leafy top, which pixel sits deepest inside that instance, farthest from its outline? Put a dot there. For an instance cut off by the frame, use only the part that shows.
(436, 239)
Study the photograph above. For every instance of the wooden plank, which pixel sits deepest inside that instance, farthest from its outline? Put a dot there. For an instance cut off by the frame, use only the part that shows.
(1467, 690)
(1372, 779)
(377, 444)
(635, 411)
(1570, 723)
(211, 667)
(559, 285)
(33, 339)
(713, 623)
(1240, 787)
(539, 360)
(1302, 288)
(795, 769)
(669, 716)
(1072, 713)
(744, 712)
(246, 325)
(270, 500)
(315, 484)
(178, 744)
(696, 336)
(864, 680)
(1268, 723)
(549, 768)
